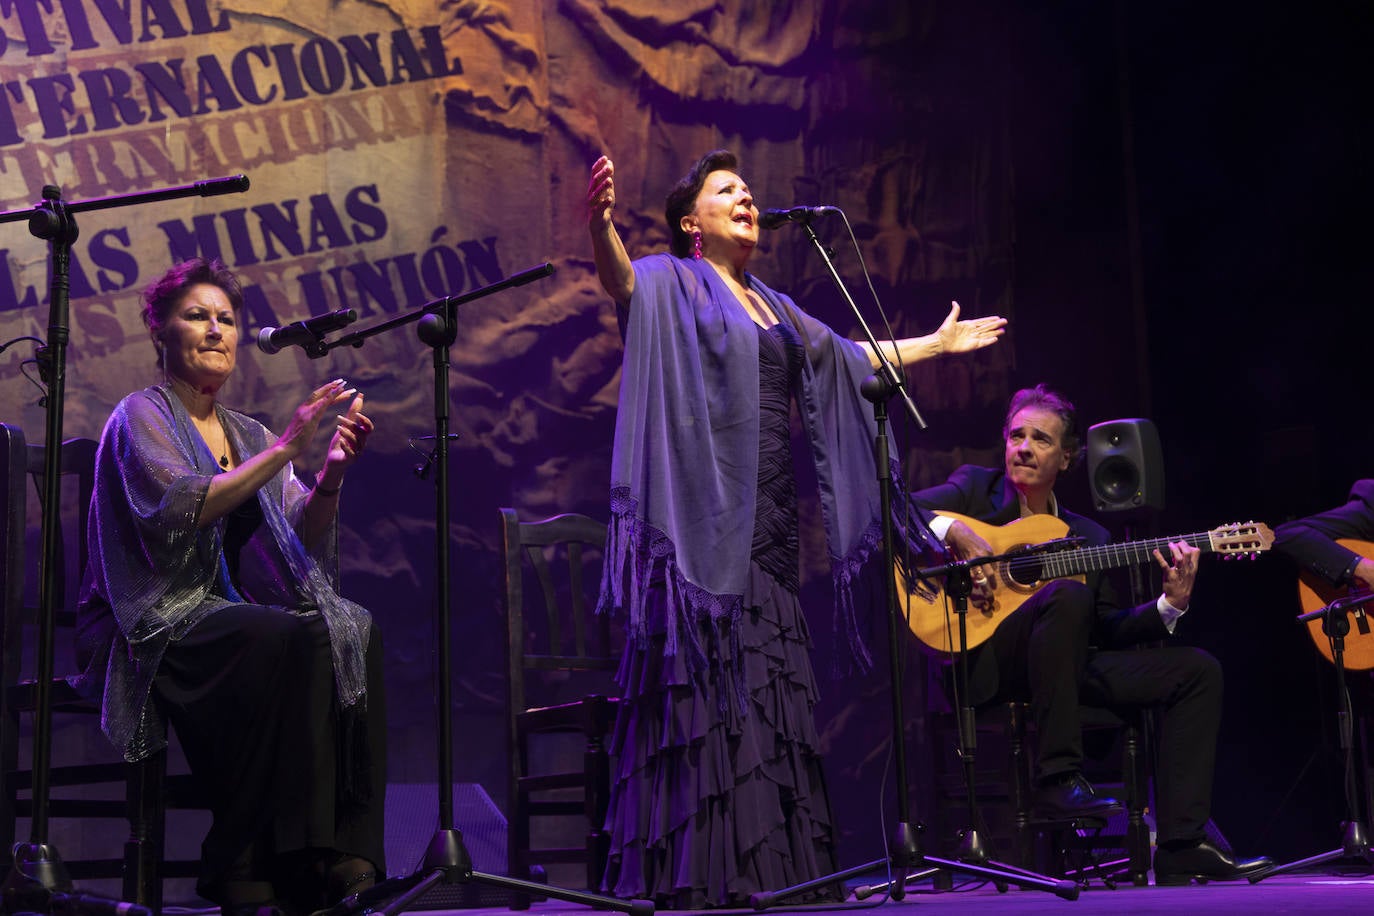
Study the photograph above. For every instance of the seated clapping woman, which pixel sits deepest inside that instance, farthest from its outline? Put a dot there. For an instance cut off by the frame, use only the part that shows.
(211, 603)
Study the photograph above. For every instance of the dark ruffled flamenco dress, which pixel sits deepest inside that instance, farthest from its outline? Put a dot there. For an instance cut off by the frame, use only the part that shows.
(718, 790)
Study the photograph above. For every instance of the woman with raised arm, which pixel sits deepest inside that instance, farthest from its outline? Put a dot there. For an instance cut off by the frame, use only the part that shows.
(211, 602)
(718, 790)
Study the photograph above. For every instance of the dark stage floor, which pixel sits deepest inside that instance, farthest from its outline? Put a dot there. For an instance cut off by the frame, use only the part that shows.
(1310, 893)
(1306, 894)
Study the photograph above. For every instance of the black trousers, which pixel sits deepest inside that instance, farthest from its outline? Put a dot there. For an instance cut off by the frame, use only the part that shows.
(1042, 654)
(250, 692)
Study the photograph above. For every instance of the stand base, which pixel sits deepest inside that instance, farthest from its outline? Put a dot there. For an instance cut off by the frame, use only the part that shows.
(38, 882)
(1354, 845)
(447, 862)
(37, 864)
(37, 872)
(864, 891)
(909, 856)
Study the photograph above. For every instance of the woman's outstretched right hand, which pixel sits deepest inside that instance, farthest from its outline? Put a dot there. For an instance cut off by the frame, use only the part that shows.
(612, 263)
(305, 422)
(601, 193)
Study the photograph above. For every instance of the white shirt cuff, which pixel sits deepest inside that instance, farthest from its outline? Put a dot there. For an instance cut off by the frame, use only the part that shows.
(1168, 613)
(940, 525)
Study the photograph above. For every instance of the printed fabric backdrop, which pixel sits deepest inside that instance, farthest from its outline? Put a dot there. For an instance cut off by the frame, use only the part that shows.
(404, 151)
(401, 151)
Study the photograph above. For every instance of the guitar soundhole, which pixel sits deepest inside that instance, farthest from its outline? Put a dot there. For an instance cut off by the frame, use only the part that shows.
(1023, 573)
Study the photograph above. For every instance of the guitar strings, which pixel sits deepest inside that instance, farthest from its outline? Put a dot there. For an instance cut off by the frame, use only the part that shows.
(1139, 551)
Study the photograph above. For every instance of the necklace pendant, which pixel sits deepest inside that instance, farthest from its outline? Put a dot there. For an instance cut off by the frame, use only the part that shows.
(224, 461)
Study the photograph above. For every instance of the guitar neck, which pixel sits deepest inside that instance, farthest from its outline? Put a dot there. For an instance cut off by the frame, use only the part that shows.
(1112, 556)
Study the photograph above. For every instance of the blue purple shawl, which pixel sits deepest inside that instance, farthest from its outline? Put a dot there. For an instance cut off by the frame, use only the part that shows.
(684, 472)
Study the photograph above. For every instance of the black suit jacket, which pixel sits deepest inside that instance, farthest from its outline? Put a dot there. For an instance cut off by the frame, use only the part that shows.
(1311, 542)
(986, 495)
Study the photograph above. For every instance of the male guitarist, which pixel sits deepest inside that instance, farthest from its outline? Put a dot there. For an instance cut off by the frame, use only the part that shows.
(1311, 541)
(1072, 642)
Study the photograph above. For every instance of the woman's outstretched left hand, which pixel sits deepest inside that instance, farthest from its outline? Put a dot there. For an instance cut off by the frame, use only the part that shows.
(974, 334)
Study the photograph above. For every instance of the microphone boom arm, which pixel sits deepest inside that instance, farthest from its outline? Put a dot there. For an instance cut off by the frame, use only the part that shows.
(438, 307)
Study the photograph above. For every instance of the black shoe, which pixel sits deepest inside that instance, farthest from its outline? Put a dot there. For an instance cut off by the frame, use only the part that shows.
(1202, 863)
(1072, 797)
(348, 877)
(371, 899)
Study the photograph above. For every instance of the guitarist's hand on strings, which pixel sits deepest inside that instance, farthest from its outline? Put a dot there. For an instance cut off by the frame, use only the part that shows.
(965, 543)
(1180, 574)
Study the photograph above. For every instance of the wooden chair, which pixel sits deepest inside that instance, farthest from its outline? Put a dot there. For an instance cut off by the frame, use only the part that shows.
(1082, 849)
(1075, 848)
(561, 663)
(145, 790)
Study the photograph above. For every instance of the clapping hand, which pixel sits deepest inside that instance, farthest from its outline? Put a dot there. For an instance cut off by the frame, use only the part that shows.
(350, 436)
(306, 420)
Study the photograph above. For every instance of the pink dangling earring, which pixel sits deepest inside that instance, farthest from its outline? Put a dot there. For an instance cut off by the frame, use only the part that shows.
(696, 245)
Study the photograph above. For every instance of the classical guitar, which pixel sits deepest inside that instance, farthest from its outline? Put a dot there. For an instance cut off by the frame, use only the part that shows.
(1008, 583)
(1315, 592)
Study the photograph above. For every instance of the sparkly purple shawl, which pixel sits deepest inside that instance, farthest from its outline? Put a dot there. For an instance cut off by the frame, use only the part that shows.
(684, 471)
(153, 574)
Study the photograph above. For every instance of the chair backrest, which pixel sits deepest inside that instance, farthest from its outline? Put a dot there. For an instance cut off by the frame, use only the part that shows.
(561, 659)
(13, 522)
(554, 626)
(22, 465)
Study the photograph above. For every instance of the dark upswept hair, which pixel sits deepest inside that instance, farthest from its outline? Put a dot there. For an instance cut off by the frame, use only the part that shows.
(1047, 399)
(166, 292)
(682, 199)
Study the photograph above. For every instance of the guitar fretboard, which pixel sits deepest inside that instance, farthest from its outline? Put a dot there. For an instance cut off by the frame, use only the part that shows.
(1106, 556)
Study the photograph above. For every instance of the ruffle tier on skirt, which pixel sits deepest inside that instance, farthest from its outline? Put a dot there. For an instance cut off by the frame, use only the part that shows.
(711, 803)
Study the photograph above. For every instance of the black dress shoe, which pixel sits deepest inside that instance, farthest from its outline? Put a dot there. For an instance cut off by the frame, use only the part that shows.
(1202, 863)
(1072, 797)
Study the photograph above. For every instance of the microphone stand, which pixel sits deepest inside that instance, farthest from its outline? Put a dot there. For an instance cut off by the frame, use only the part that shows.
(1354, 840)
(958, 586)
(37, 868)
(446, 858)
(905, 850)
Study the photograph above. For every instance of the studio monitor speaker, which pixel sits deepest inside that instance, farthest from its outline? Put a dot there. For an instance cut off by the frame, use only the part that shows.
(1125, 465)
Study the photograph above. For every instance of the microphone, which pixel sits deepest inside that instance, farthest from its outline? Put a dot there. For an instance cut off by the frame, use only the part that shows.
(772, 219)
(304, 333)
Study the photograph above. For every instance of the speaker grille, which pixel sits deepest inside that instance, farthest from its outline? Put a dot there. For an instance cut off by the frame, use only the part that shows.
(1118, 480)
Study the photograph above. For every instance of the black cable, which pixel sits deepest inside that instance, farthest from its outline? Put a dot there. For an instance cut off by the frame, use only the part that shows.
(38, 359)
